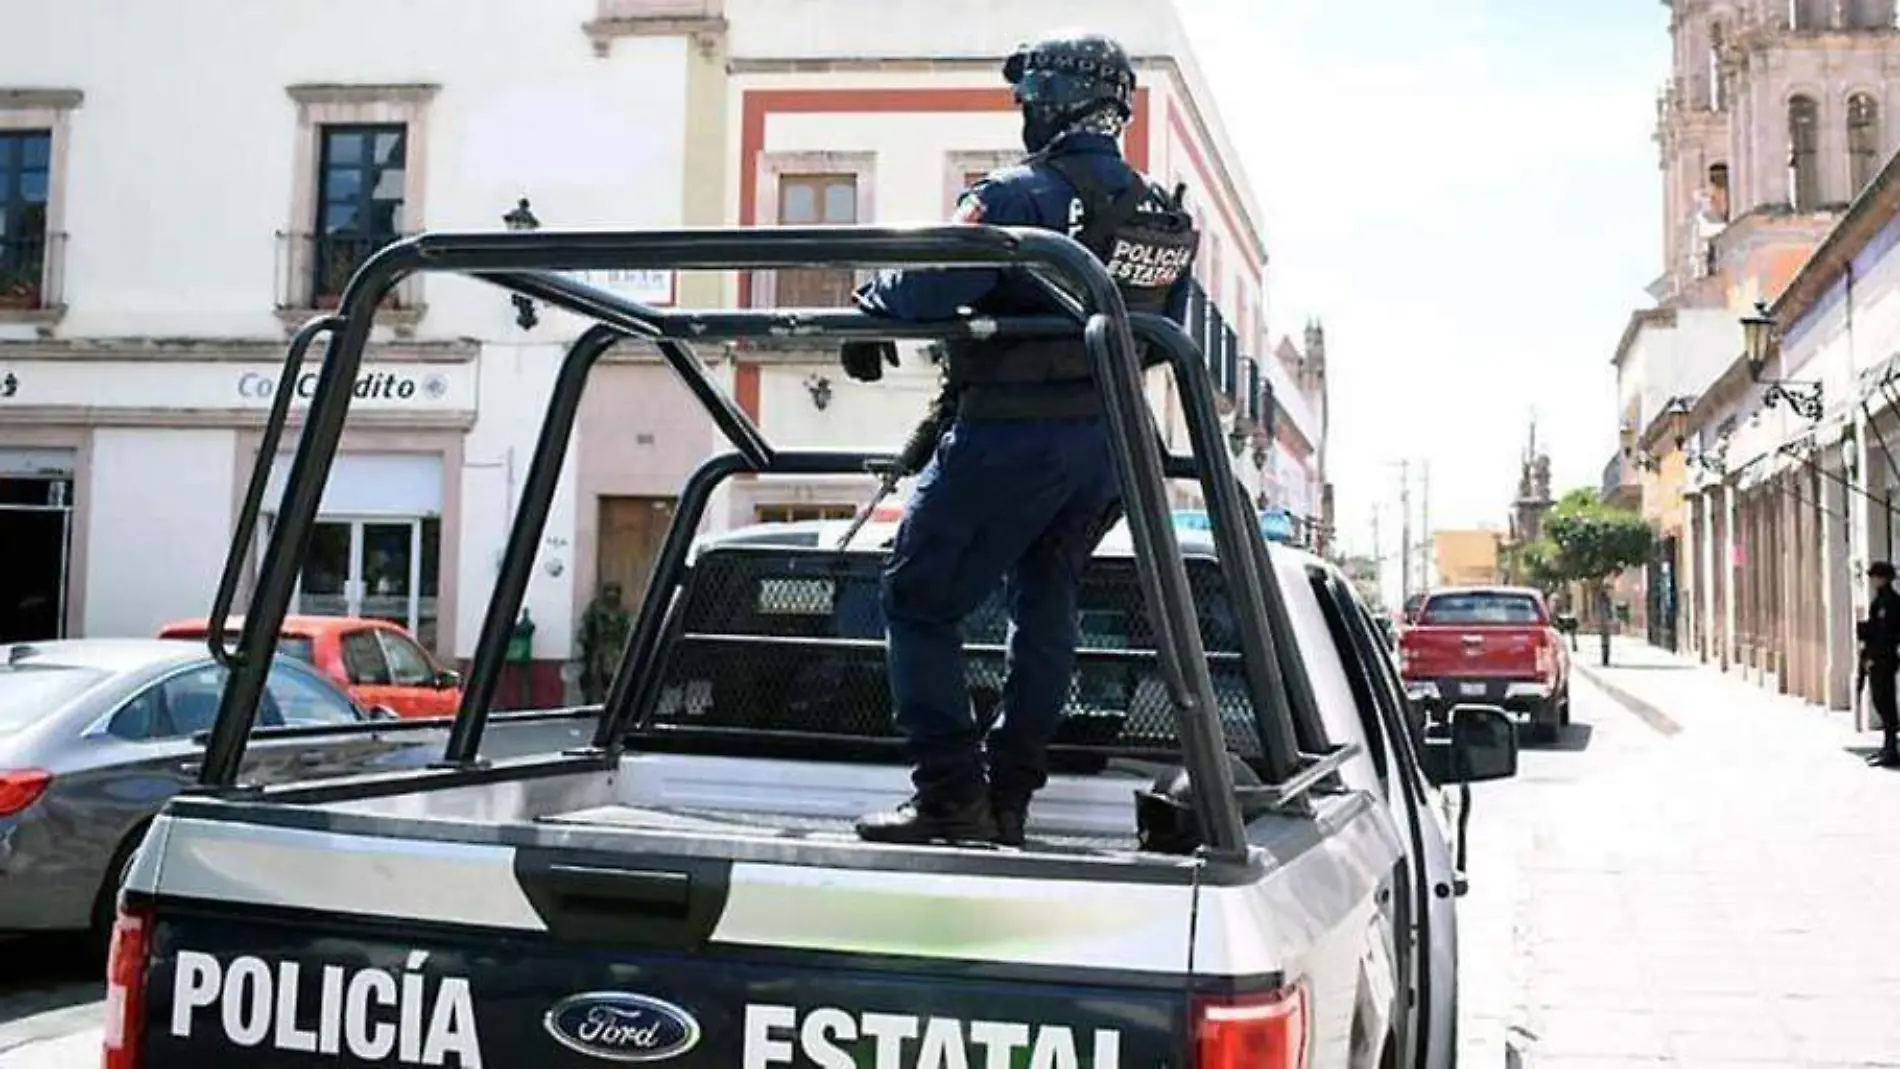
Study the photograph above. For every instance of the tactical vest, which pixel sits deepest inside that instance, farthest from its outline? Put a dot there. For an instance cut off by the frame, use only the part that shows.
(1146, 241)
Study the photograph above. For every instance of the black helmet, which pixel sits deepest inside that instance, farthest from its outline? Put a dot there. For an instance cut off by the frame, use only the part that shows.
(1066, 77)
(1880, 569)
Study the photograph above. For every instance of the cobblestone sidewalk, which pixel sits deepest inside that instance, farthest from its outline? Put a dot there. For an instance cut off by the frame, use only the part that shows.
(1727, 898)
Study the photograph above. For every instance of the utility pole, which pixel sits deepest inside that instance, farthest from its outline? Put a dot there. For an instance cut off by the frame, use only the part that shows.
(1426, 552)
(1405, 530)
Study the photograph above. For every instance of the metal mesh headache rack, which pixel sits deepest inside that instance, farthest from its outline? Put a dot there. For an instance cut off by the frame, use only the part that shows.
(1278, 733)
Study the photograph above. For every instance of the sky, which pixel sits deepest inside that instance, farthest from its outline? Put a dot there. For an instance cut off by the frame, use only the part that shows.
(1466, 193)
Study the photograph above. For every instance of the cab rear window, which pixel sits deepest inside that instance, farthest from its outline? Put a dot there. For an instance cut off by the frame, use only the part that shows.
(1476, 610)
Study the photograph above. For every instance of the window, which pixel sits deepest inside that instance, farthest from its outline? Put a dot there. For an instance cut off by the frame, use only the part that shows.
(1717, 87)
(1718, 190)
(138, 719)
(292, 698)
(800, 513)
(363, 659)
(1360, 676)
(361, 180)
(26, 164)
(1471, 610)
(302, 701)
(1804, 179)
(408, 665)
(1869, 14)
(1809, 14)
(816, 200)
(1863, 141)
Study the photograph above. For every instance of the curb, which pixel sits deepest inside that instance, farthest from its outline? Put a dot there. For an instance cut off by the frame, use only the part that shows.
(1660, 722)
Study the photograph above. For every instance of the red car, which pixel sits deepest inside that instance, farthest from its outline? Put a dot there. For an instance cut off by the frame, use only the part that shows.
(1489, 646)
(378, 662)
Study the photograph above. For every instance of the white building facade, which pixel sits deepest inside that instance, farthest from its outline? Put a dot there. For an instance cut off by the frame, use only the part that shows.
(885, 117)
(181, 189)
(209, 183)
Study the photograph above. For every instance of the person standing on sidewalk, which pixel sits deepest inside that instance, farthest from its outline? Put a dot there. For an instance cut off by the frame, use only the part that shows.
(1880, 660)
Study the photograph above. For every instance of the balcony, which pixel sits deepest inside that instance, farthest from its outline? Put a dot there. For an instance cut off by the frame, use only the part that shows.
(1621, 487)
(314, 269)
(32, 278)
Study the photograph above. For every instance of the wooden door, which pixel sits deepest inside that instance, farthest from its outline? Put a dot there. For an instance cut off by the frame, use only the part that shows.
(631, 531)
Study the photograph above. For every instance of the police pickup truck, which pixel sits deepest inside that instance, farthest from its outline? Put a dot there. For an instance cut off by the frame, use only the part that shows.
(1236, 861)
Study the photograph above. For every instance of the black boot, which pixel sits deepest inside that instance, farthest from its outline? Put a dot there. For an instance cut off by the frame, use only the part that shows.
(1012, 816)
(923, 819)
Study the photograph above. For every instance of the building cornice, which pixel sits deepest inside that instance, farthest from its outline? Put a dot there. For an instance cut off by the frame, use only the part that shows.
(224, 350)
(35, 99)
(1642, 317)
(204, 418)
(317, 94)
(707, 33)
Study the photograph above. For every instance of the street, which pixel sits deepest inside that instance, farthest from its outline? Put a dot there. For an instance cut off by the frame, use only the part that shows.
(1647, 892)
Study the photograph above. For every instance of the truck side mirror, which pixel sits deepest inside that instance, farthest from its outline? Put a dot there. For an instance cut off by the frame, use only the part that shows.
(1479, 743)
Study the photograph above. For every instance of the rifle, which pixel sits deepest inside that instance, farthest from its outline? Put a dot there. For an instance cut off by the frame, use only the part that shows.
(909, 460)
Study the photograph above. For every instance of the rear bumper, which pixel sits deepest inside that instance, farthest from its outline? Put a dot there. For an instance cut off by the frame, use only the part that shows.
(1529, 698)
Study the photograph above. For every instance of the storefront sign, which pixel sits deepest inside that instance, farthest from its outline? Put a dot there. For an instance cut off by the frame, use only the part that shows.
(218, 386)
(370, 386)
(654, 288)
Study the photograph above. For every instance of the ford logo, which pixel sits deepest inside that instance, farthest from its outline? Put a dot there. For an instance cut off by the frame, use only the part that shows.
(621, 1027)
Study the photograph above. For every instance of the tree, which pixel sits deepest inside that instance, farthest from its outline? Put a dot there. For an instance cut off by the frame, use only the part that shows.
(1592, 543)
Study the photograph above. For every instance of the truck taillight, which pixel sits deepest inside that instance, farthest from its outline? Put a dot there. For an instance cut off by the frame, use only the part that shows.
(1251, 1031)
(18, 790)
(125, 987)
(1546, 655)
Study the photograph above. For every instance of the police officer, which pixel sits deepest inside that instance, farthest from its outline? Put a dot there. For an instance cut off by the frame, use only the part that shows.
(1880, 660)
(1022, 484)
(604, 629)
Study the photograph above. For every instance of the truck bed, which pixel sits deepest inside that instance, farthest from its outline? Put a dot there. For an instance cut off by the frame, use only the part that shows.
(790, 801)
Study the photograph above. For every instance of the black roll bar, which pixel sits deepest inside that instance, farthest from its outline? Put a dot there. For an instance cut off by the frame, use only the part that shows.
(245, 530)
(524, 262)
(1260, 605)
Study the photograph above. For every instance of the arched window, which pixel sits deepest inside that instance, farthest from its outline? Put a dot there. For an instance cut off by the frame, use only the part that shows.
(1809, 14)
(1863, 140)
(1718, 190)
(1804, 176)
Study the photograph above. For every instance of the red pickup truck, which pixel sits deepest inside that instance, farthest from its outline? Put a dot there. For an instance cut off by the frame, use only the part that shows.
(1489, 646)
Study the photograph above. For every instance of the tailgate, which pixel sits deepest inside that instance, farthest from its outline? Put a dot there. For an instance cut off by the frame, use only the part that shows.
(352, 998)
(324, 947)
(1437, 652)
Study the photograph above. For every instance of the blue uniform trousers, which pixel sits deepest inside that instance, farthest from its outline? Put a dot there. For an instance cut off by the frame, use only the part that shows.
(1021, 502)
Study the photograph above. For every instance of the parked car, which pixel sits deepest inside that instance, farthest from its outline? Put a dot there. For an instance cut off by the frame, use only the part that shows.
(1490, 646)
(378, 662)
(97, 734)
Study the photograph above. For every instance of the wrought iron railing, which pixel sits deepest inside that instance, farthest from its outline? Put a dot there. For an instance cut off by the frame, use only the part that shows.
(314, 269)
(32, 271)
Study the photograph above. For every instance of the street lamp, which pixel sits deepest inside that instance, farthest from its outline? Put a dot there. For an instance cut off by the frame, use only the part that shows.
(521, 220)
(1758, 339)
(1759, 345)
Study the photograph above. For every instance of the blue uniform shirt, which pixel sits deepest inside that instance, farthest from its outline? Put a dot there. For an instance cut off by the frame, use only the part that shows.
(1023, 195)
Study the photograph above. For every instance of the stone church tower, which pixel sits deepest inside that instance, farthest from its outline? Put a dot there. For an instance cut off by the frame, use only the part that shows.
(1777, 113)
